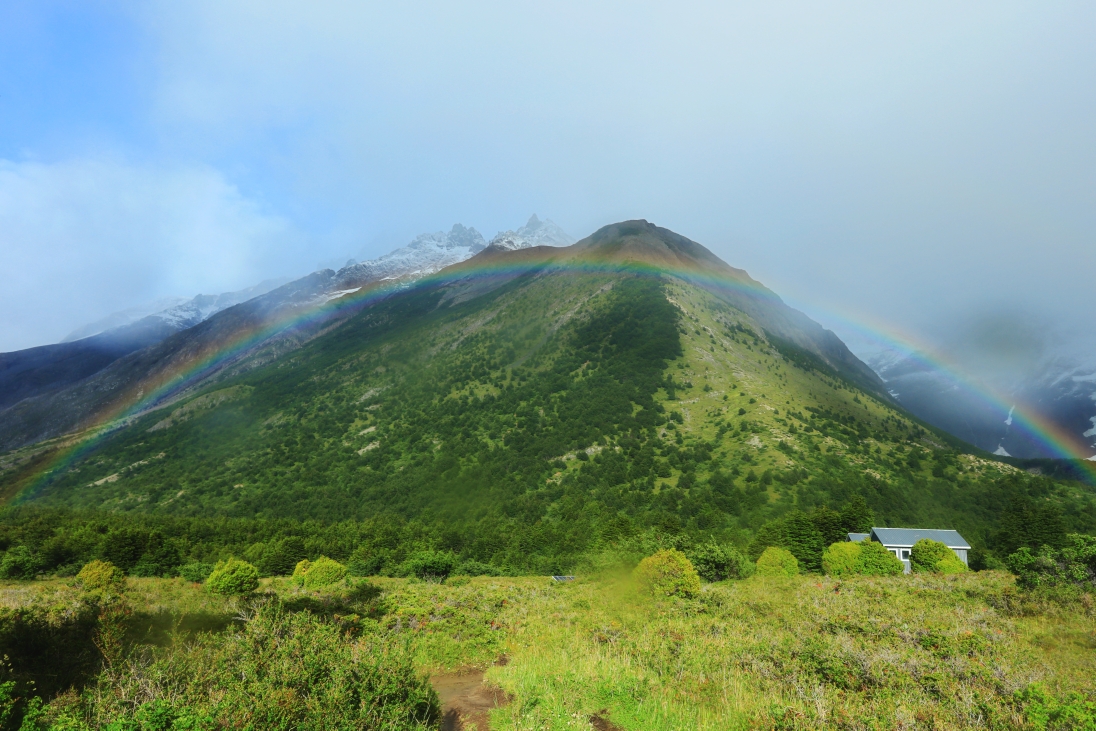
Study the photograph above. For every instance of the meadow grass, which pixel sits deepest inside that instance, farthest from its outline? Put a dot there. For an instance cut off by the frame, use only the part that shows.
(806, 652)
(931, 652)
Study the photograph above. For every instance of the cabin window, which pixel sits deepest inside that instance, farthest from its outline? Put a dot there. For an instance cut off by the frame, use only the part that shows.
(895, 552)
(905, 554)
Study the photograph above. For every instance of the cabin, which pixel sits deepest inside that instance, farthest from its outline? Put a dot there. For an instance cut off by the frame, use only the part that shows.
(899, 541)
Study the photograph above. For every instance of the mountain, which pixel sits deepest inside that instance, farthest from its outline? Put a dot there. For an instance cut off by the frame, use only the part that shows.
(35, 372)
(123, 318)
(426, 254)
(49, 391)
(534, 233)
(983, 408)
(522, 406)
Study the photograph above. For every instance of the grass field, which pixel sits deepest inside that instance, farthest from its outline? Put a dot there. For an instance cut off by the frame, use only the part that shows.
(930, 652)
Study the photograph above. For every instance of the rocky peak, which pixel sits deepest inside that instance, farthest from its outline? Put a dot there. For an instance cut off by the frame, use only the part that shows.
(534, 233)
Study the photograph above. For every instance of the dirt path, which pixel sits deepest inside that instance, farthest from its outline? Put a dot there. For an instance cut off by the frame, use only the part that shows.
(466, 701)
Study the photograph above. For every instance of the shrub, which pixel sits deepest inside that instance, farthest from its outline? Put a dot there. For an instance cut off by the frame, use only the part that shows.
(196, 571)
(950, 565)
(1044, 711)
(875, 560)
(233, 578)
(429, 565)
(668, 573)
(841, 559)
(281, 671)
(776, 561)
(18, 563)
(475, 568)
(300, 570)
(929, 556)
(102, 576)
(717, 563)
(320, 573)
(1073, 566)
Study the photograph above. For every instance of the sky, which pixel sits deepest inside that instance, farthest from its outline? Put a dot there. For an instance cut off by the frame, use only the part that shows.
(925, 167)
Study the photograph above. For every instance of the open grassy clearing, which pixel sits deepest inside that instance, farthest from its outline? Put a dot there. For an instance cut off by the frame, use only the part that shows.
(808, 652)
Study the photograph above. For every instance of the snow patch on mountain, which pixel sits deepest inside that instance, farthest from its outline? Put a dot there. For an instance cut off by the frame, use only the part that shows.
(201, 308)
(178, 313)
(431, 252)
(534, 233)
(426, 254)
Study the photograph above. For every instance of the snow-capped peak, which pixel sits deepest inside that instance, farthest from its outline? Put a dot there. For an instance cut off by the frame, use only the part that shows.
(426, 254)
(431, 252)
(534, 233)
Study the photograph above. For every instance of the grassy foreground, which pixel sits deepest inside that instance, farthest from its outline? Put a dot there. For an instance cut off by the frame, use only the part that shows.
(930, 652)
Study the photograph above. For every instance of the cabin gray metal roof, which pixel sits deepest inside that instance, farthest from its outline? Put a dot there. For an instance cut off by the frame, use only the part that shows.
(857, 537)
(906, 537)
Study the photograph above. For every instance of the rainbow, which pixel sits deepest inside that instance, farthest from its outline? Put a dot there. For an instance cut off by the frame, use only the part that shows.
(490, 268)
(1023, 417)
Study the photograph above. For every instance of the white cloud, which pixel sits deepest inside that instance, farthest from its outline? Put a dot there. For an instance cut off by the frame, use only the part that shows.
(82, 238)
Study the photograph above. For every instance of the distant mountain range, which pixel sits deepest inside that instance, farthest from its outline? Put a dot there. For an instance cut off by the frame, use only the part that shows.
(984, 411)
(50, 390)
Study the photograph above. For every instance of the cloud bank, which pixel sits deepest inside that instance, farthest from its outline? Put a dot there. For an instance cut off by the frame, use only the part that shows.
(83, 238)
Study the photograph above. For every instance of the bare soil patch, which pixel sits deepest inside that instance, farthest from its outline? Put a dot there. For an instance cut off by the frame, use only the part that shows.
(601, 723)
(466, 700)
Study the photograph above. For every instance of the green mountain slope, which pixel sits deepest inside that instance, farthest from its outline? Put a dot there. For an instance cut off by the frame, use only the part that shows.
(534, 405)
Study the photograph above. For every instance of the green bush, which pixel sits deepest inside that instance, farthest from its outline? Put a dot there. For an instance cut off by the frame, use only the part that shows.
(475, 568)
(102, 576)
(667, 573)
(196, 571)
(929, 556)
(429, 565)
(776, 561)
(875, 560)
(1073, 566)
(300, 570)
(233, 578)
(320, 573)
(717, 563)
(951, 565)
(18, 563)
(841, 559)
(281, 671)
(1044, 712)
